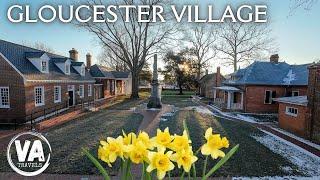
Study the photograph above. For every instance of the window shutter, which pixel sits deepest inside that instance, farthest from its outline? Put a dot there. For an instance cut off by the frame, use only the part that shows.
(274, 95)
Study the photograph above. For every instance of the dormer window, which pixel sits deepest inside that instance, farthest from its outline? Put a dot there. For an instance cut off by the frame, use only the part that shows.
(44, 66)
(83, 71)
(67, 68)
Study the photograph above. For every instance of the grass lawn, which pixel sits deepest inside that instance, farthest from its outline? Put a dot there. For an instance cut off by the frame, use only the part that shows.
(252, 158)
(175, 92)
(67, 140)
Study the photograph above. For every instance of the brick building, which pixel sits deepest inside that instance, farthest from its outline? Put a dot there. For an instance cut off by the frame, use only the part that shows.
(253, 89)
(110, 83)
(208, 82)
(34, 82)
(300, 115)
(293, 115)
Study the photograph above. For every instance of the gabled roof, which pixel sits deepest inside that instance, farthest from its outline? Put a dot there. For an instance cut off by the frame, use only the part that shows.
(34, 54)
(59, 60)
(209, 77)
(101, 71)
(121, 74)
(17, 55)
(73, 63)
(269, 73)
(297, 100)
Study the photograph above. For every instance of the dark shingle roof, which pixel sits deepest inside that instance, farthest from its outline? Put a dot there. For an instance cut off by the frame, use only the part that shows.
(73, 63)
(101, 71)
(268, 73)
(16, 54)
(120, 74)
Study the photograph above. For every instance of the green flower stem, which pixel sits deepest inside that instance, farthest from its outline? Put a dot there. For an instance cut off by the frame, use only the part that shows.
(205, 166)
(169, 176)
(143, 171)
(97, 164)
(128, 169)
(182, 175)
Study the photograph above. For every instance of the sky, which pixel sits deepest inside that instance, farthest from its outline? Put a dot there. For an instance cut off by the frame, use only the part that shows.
(297, 35)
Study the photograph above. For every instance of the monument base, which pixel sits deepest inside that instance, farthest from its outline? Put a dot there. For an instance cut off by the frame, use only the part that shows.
(154, 102)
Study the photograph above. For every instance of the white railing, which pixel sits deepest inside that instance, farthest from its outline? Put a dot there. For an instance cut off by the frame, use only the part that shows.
(236, 106)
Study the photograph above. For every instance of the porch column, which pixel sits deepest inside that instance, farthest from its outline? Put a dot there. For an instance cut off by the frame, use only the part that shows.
(214, 94)
(241, 100)
(229, 100)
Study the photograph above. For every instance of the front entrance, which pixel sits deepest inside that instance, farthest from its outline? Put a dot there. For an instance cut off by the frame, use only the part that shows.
(71, 101)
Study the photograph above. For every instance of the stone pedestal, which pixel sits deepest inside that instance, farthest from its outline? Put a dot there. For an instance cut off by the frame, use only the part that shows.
(155, 98)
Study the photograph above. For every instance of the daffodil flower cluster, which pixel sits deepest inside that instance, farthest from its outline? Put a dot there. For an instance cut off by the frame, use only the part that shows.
(160, 153)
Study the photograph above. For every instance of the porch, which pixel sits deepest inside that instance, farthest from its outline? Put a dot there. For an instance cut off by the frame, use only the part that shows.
(229, 98)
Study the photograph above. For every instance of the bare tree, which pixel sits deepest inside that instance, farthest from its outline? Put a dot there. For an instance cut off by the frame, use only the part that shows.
(305, 4)
(39, 45)
(131, 42)
(202, 51)
(240, 42)
(107, 58)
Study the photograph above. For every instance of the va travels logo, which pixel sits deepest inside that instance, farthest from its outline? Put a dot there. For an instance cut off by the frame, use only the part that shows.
(29, 153)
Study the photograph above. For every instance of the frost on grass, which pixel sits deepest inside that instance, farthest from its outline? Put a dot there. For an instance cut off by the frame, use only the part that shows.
(199, 109)
(307, 163)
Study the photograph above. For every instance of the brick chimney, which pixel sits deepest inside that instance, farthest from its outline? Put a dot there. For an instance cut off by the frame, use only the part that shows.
(218, 77)
(74, 54)
(89, 60)
(314, 102)
(274, 58)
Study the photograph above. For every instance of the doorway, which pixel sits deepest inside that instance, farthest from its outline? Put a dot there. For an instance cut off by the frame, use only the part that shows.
(71, 101)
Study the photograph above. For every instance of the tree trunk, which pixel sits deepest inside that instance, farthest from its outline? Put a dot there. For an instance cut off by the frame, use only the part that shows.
(135, 86)
(180, 90)
(198, 79)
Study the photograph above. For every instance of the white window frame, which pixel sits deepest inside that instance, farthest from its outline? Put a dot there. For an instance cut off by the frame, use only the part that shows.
(55, 95)
(81, 93)
(67, 68)
(42, 96)
(89, 90)
(1, 103)
(288, 112)
(46, 67)
(83, 70)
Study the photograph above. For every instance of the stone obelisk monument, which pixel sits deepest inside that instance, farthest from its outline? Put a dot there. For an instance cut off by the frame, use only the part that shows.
(155, 98)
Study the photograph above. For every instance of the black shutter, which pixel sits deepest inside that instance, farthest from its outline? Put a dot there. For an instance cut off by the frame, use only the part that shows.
(267, 97)
(274, 95)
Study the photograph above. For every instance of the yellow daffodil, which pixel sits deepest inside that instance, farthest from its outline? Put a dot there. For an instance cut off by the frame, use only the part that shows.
(180, 142)
(110, 150)
(184, 158)
(138, 152)
(161, 162)
(145, 139)
(163, 138)
(128, 139)
(103, 153)
(214, 144)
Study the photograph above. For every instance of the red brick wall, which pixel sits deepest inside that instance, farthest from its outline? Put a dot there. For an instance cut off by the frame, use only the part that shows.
(255, 95)
(106, 86)
(314, 102)
(297, 125)
(49, 96)
(10, 77)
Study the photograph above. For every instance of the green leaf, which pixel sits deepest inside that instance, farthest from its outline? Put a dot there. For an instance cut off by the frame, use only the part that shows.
(221, 162)
(97, 164)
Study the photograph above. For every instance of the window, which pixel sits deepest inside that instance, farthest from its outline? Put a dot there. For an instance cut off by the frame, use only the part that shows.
(81, 91)
(67, 70)
(4, 97)
(44, 66)
(57, 94)
(39, 96)
(83, 71)
(269, 95)
(295, 93)
(89, 90)
(292, 111)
